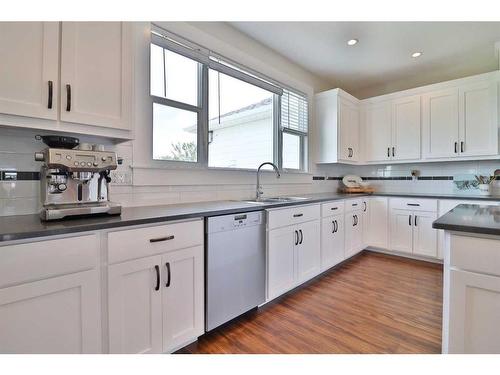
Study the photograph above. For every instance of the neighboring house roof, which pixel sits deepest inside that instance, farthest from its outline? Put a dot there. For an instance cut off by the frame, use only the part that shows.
(252, 112)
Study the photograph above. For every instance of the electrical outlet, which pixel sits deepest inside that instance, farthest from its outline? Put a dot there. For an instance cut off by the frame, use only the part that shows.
(121, 177)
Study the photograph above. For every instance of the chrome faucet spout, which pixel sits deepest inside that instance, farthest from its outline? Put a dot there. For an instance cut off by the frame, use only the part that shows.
(259, 191)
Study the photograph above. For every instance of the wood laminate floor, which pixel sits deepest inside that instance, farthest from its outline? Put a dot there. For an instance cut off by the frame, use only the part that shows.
(373, 303)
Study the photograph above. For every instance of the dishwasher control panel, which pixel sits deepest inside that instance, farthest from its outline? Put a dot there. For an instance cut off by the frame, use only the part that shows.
(236, 221)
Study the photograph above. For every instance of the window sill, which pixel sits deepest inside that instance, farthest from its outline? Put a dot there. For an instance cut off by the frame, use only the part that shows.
(197, 167)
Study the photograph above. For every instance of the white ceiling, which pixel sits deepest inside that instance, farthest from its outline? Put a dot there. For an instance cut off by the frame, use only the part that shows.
(381, 62)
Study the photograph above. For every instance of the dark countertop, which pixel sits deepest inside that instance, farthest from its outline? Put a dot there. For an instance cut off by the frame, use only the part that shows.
(30, 226)
(471, 218)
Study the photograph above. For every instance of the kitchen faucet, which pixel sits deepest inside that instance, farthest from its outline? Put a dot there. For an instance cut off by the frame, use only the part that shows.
(259, 187)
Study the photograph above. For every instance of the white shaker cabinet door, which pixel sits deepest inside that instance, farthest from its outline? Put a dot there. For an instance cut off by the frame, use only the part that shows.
(478, 119)
(58, 315)
(406, 128)
(308, 251)
(377, 132)
(96, 73)
(183, 298)
(474, 313)
(401, 231)
(332, 241)
(281, 260)
(376, 222)
(440, 124)
(29, 68)
(135, 311)
(424, 236)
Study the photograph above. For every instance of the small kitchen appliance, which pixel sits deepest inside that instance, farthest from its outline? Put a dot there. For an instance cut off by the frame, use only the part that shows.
(75, 181)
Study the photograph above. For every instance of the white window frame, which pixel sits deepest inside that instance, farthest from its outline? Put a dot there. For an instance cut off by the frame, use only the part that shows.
(210, 60)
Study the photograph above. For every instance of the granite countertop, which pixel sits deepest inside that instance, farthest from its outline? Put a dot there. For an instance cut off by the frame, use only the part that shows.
(30, 226)
(471, 218)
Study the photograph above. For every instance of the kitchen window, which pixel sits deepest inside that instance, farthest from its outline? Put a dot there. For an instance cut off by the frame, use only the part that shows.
(212, 112)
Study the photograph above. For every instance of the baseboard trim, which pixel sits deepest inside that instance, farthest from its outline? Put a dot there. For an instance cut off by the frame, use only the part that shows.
(404, 255)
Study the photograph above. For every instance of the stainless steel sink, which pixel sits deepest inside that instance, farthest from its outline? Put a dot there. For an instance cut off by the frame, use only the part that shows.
(277, 200)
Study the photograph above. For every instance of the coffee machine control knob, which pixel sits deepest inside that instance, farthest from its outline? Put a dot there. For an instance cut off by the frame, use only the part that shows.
(62, 187)
(39, 156)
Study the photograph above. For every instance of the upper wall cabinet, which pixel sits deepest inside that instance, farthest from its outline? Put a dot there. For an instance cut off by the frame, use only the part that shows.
(337, 118)
(29, 53)
(461, 121)
(82, 85)
(392, 130)
(96, 71)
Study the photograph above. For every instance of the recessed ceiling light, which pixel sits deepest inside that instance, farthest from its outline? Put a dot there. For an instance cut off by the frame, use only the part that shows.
(352, 42)
(416, 54)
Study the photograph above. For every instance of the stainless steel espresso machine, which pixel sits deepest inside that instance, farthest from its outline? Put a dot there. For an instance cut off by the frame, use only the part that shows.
(74, 178)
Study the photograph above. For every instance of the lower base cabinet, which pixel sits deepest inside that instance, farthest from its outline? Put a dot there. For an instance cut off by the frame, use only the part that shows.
(58, 315)
(294, 256)
(156, 303)
(354, 242)
(332, 241)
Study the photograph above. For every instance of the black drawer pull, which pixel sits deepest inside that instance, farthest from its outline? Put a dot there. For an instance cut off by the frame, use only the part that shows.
(51, 93)
(354, 204)
(68, 98)
(413, 204)
(333, 208)
(168, 274)
(298, 215)
(161, 239)
(157, 269)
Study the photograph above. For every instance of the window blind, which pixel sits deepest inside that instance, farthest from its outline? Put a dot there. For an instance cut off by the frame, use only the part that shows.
(294, 112)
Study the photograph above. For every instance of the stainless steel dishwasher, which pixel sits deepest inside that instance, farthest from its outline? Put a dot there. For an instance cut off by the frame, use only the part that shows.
(235, 266)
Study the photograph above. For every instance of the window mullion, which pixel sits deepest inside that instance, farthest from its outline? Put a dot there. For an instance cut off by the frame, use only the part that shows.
(203, 116)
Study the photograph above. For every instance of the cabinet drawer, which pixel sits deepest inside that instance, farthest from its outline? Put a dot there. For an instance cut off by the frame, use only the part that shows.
(353, 205)
(332, 208)
(475, 254)
(290, 216)
(44, 259)
(142, 242)
(414, 204)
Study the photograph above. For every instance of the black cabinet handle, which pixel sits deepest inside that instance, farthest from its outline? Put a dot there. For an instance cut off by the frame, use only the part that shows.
(168, 274)
(298, 215)
(301, 237)
(415, 220)
(393, 151)
(333, 226)
(364, 203)
(157, 269)
(161, 239)
(413, 204)
(388, 152)
(456, 147)
(336, 226)
(296, 238)
(409, 220)
(462, 146)
(51, 93)
(333, 208)
(68, 98)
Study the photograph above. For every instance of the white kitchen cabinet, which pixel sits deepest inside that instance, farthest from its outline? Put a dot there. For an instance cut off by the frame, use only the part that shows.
(424, 236)
(135, 306)
(474, 312)
(440, 124)
(29, 55)
(183, 295)
(293, 251)
(332, 241)
(281, 260)
(353, 233)
(308, 251)
(338, 119)
(401, 231)
(55, 315)
(376, 222)
(406, 126)
(96, 73)
(478, 119)
(411, 229)
(377, 131)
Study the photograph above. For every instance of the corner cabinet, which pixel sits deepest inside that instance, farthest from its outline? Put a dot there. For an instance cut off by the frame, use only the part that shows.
(293, 251)
(74, 77)
(338, 121)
